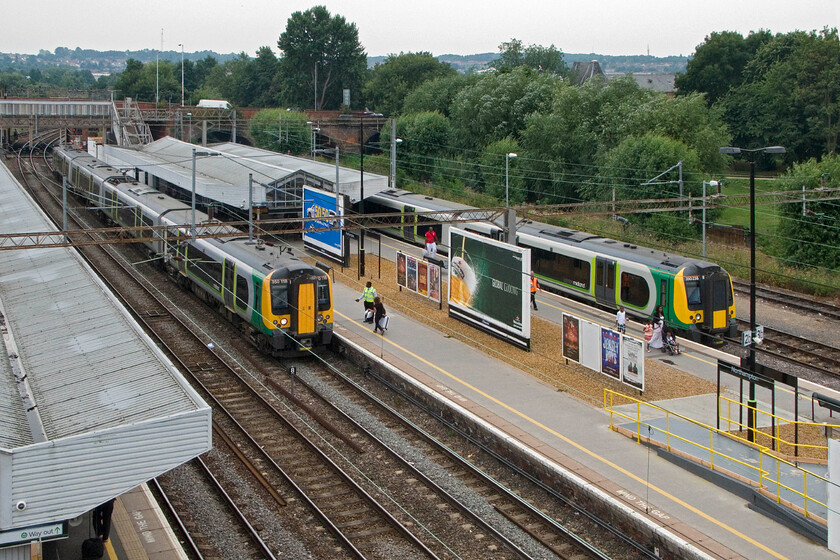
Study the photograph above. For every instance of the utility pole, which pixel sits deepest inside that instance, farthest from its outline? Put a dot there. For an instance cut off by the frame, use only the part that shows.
(362, 194)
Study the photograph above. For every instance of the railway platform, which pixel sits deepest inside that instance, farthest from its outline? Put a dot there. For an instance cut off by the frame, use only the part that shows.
(696, 509)
(139, 531)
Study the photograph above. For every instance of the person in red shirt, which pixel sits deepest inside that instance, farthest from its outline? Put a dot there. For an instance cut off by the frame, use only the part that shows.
(431, 243)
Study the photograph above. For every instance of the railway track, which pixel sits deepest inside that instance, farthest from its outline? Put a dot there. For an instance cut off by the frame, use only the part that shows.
(791, 348)
(259, 427)
(332, 495)
(790, 299)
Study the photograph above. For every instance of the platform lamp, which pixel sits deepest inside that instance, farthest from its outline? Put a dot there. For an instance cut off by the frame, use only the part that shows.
(751, 402)
(182, 73)
(194, 155)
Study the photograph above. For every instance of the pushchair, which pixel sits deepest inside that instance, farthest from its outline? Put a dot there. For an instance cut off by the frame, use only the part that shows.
(669, 343)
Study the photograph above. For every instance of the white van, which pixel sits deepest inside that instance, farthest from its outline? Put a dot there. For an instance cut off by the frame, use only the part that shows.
(214, 104)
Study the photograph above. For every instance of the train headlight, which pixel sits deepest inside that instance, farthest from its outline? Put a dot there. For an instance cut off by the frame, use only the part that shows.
(320, 318)
(697, 318)
(284, 322)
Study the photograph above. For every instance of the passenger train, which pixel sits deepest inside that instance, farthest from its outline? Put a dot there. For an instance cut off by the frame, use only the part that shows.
(696, 296)
(282, 303)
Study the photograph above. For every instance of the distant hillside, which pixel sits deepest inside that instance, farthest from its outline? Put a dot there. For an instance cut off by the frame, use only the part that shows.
(105, 62)
(609, 64)
(108, 62)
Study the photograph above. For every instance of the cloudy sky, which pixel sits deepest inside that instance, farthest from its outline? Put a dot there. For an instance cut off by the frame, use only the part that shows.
(614, 27)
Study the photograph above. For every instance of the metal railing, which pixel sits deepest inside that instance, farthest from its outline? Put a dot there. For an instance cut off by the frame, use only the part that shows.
(761, 472)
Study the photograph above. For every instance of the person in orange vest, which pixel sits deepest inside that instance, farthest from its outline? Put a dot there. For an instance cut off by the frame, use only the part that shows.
(534, 287)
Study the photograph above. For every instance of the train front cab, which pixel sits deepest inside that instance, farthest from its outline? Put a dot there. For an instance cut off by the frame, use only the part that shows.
(704, 300)
(297, 309)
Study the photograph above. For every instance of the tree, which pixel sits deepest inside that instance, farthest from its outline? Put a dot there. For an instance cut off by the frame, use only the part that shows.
(493, 172)
(315, 42)
(281, 131)
(791, 96)
(635, 161)
(425, 140)
(811, 239)
(563, 145)
(391, 81)
(495, 107)
(542, 59)
(438, 94)
(718, 63)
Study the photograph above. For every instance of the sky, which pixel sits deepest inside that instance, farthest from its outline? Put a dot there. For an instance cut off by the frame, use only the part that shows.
(612, 27)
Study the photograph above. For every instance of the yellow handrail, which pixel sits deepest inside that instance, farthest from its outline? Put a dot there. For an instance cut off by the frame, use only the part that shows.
(763, 477)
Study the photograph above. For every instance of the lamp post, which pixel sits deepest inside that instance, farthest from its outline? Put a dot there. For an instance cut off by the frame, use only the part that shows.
(751, 402)
(182, 73)
(711, 184)
(508, 157)
(394, 142)
(189, 118)
(194, 154)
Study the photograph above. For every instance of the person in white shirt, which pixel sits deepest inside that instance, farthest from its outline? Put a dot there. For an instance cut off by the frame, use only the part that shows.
(621, 319)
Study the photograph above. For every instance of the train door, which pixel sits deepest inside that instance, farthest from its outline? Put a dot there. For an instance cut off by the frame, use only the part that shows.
(605, 281)
(716, 301)
(306, 307)
(408, 223)
(664, 300)
(228, 290)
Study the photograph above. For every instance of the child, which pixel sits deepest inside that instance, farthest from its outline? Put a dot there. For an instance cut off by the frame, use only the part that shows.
(648, 333)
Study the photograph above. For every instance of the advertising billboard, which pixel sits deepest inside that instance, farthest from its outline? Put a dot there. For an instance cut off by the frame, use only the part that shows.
(321, 210)
(489, 286)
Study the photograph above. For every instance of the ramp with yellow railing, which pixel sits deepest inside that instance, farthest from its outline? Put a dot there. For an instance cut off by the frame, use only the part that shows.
(800, 487)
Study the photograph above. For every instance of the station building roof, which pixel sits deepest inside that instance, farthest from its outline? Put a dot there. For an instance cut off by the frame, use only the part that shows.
(89, 406)
(278, 178)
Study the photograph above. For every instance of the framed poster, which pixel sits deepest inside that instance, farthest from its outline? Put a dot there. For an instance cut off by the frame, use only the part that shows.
(611, 354)
(411, 283)
(423, 278)
(571, 337)
(633, 362)
(434, 283)
(401, 270)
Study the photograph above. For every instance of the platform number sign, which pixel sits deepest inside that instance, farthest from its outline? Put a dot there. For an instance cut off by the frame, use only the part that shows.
(746, 338)
(759, 334)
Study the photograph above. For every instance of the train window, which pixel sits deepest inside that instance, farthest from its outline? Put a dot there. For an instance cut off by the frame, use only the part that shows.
(561, 268)
(205, 269)
(126, 214)
(634, 290)
(693, 293)
(279, 298)
(242, 293)
(323, 294)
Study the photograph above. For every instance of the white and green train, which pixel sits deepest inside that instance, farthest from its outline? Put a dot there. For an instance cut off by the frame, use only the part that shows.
(696, 296)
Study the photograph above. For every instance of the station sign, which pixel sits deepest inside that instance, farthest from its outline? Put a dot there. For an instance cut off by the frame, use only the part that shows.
(47, 532)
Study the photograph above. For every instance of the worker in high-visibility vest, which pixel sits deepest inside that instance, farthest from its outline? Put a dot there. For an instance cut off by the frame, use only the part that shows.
(534, 287)
(368, 295)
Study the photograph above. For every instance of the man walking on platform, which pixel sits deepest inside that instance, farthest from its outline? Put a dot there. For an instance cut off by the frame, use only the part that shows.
(368, 295)
(431, 243)
(534, 288)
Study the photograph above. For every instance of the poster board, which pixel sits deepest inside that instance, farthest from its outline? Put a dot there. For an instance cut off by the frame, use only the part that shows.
(321, 209)
(489, 286)
(418, 276)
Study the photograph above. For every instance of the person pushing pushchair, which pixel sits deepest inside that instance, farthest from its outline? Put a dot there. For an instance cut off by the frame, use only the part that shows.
(670, 343)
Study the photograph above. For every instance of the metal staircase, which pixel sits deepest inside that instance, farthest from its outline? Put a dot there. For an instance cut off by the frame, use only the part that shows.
(128, 126)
